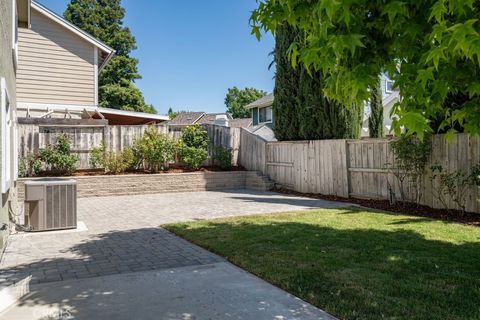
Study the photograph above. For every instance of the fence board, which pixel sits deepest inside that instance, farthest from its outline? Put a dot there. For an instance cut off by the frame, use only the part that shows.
(357, 167)
(32, 137)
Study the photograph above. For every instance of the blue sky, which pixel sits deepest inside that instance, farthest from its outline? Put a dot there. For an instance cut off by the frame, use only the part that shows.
(192, 51)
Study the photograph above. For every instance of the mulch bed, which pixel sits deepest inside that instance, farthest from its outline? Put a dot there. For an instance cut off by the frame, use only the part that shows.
(406, 208)
(100, 172)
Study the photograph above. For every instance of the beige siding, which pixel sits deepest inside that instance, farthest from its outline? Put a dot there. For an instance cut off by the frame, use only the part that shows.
(55, 65)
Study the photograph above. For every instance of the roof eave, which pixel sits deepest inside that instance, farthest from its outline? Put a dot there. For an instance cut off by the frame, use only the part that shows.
(23, 12)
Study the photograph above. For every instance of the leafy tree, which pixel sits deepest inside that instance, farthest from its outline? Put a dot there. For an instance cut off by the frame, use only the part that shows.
(286, 87)
(103, 19)
(375, 121)
(430, 47)
(237, 99)
(171, 114)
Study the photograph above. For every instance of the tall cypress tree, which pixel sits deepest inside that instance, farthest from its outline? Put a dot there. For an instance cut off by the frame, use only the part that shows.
(321, 118)
(286, 87)
(301, 110)
(375, 121)
(103, 19)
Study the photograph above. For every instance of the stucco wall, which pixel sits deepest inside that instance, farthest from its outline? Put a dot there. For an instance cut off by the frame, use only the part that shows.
(6, 71)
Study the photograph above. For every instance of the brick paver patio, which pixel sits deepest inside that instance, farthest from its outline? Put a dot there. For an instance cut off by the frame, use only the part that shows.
(123, 234)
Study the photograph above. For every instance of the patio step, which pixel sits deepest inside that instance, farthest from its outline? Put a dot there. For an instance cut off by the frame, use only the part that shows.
(257, 181)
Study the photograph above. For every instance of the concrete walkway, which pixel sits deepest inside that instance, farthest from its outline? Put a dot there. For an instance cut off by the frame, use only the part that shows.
(122, 236)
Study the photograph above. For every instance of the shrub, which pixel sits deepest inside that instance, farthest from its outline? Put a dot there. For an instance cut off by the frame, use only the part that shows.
(411, 157)
(223, 157)
(58, 158)
(97, 157)
(30, 166)
(195, 136)
(194, 146)
(454, 184)
(194, 157)
(112, 162)
(155, 150)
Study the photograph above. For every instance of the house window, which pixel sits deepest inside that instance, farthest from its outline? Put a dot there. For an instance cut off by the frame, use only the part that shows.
(388, 86)
(265, 114)
(6, 133)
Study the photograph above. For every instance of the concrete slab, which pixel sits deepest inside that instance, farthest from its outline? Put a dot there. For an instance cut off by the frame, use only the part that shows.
(217, 291)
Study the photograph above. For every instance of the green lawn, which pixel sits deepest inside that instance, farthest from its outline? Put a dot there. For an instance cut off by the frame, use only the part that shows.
(353, 263)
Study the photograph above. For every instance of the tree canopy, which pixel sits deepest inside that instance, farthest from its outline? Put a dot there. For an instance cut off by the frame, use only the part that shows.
(103, 19)
(431, 48)
(236, 100)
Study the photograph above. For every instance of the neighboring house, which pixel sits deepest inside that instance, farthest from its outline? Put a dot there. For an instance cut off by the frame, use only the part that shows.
(184, 119)
(390, 97)
(13, 14)
(262, 111)
(240, 123)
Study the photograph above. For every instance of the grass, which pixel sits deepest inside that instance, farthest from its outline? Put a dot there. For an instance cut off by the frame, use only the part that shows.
(355, 264)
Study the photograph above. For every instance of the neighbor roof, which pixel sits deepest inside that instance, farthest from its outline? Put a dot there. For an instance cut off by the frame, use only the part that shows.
(209, 118)
(108, 52)
(240, 123)
(265, 101)
(186, 118)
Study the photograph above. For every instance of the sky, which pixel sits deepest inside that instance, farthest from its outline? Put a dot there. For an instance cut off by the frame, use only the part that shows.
(190, 52)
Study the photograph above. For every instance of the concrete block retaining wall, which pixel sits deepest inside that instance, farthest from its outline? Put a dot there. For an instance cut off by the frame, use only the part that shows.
(111, 185)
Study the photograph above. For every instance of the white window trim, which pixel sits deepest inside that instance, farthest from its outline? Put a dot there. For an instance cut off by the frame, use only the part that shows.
(387, 81)
(258, 115)
(6, 125)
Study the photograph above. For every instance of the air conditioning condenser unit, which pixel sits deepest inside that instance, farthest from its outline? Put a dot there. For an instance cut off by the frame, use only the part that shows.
(52, 204)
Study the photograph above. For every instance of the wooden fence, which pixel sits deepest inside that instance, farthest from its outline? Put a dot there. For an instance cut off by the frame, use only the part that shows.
(88, 135)
(356, 167)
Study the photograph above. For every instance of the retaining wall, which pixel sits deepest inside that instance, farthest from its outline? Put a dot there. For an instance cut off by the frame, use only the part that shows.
(111, 185)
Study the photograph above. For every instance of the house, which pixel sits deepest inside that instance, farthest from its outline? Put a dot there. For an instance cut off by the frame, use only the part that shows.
(262, 111)
(390, 97)
(14, 14)
(58, 71)
(184, 119)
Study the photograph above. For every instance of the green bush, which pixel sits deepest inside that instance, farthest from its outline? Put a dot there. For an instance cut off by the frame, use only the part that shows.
(193, 157)
(97, 157)
(411, 156)
(58, 158)
(195, 136)
(30, 166)
(112, 162)
(155, 150)
(194, 146)
(223, 157)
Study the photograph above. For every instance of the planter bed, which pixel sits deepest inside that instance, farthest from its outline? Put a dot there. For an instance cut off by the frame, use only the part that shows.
(399, 207)
(112, 185)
